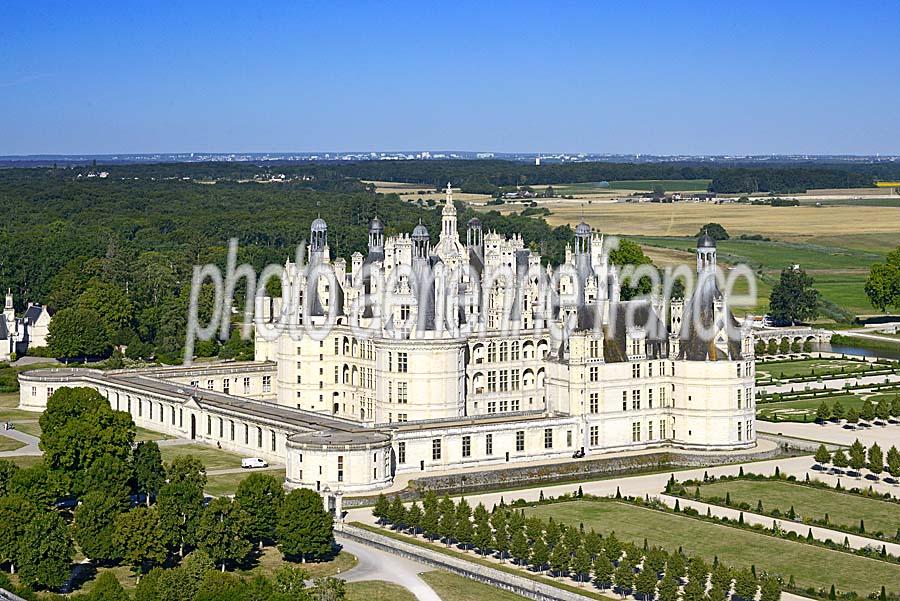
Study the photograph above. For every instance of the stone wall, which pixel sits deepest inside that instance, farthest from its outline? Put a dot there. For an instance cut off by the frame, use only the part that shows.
(518, 585)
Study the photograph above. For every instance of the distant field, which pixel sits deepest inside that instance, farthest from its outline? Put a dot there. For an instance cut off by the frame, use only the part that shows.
(843, 509)
(810, 566)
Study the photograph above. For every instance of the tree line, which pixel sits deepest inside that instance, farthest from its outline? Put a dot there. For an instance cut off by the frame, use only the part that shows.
(119, 504)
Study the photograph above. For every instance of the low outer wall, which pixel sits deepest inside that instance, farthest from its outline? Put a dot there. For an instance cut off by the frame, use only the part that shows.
(486, 575)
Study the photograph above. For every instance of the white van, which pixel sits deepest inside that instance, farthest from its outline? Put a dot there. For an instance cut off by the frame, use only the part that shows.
(252, 462)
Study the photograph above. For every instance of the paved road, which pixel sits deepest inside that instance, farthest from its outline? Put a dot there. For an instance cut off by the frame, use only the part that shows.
(375, 564)
(31, 443)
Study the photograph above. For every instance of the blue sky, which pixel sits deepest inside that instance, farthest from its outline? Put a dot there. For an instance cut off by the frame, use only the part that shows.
(649, 77)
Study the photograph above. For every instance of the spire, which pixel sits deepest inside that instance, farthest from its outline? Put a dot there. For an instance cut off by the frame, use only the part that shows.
(449, 191)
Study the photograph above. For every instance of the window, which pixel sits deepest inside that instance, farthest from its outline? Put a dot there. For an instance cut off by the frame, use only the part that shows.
(504, 405)
(739, 370)
(740, 430)
(594, 373)
(390, 392)
(636, 432)
(662, 368)
(267, 383)
(635, 399)
(650, 431)
(246, 434)
(515, 404)
(247, 384)
(231, 428)
(492, 352)
(649, 370)
(173, 416)
(662, 428)
(504, 352)
(401, 452)
(274, 439)
(595, 349)
(208, 425)
(340, 475)
(492, 407)
(739, 397)
(548, 438)
(402, 362)
(435, 449)
(749, 429)
(514, 379)
(650, 398)
(337, 375)
(195, 383)
(520, 440)
(466, 446)
(402, 417)
(209, 384)
(150, 405)
(636, 371)
(401, 393)
(594, 436)
(515, 351)
(259, 437)
(662, 396)
(594, 405)
(624, 400)
(226, 385)
(568, 438)
(221, 428)
(492, 381)
(488, 444)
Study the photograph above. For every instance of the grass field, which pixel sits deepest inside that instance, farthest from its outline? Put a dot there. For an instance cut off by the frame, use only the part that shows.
(806, 367)
(24, 461)
(226, 484)
(9, 444)
(29, 427)
(213, 459)
(809, 565)
(377, 590)
(142, 434)
(450, 587)
(842, 508)
(805, 410)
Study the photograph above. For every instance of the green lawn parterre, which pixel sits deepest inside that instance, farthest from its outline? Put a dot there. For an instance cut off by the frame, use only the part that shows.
(804, 410)
(212, 458)
(450, 587)
(809, 565)
(842, 508)
(377, 590)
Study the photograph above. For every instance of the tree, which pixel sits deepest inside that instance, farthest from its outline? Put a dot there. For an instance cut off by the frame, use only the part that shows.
(483, 535)
(893, 462)
(714, 231)
(876, 459)
(630, 253)
(823, 412)
(624, 576)
(180, 505)
(148, 468)
(837, 411)
(447, 523)
(794, 299)
(822, 457)
(75, 333)
(540, 554)
(852, 416)
(8, 469)
(883, 284)
(857, 455)
(868, 410)
(883, 409)
(668, 588)
(397, 513)
(414, 518)
(139, 538)
(187, 468)
(38, 484)
(260, 496)
(462, 530)
(770, 590)
(16, 513)
(329, 589)
(380, 511)
(839, 459)
(581, 564)
(45, 551)
(430, 514)
(501, 534)
(518, 546)
(107, 588)
(109, 303)
(559, 560)
(645, 583)
(603, 571)
(222, 532)
(745, 585)
(895, 406)
(95, 525)
(694, 590)
(304, 529)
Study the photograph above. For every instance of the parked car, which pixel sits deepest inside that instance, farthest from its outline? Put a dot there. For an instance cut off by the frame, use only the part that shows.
(253, 462)
(578, 454)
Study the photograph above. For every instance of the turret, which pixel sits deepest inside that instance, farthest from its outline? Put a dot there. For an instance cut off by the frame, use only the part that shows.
(318, 235)
(421, 242)
(9, 311)
(475, 236)
(706, 253)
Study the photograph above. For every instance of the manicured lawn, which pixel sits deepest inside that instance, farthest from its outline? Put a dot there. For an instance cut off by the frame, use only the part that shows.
(377, 590)
(24, 461)
(805, 410)
(9, 444)
(272, 559)
(8, 403)
(211, 457)
(142, 434)
(226, 484)
(843, 509)
(29, 427)
(802, 368)
(450, 587)
(809, 565)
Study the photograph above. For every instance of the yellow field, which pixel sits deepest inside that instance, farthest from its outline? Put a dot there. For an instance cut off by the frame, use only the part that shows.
(411, 192)
(792, 224)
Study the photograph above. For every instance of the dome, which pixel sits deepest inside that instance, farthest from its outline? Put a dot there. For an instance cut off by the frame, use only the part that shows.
(582, 229)
(420, 232)
(705, 241)
(376, 225)
(319, 225)
(474, 222)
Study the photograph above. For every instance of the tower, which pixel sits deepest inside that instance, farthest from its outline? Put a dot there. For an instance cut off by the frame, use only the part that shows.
(706, 254)
(448, 216)
(318, 235)
(475, 236)
(376, 236)
(583, 250)
(9, 311)
(421, 242)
